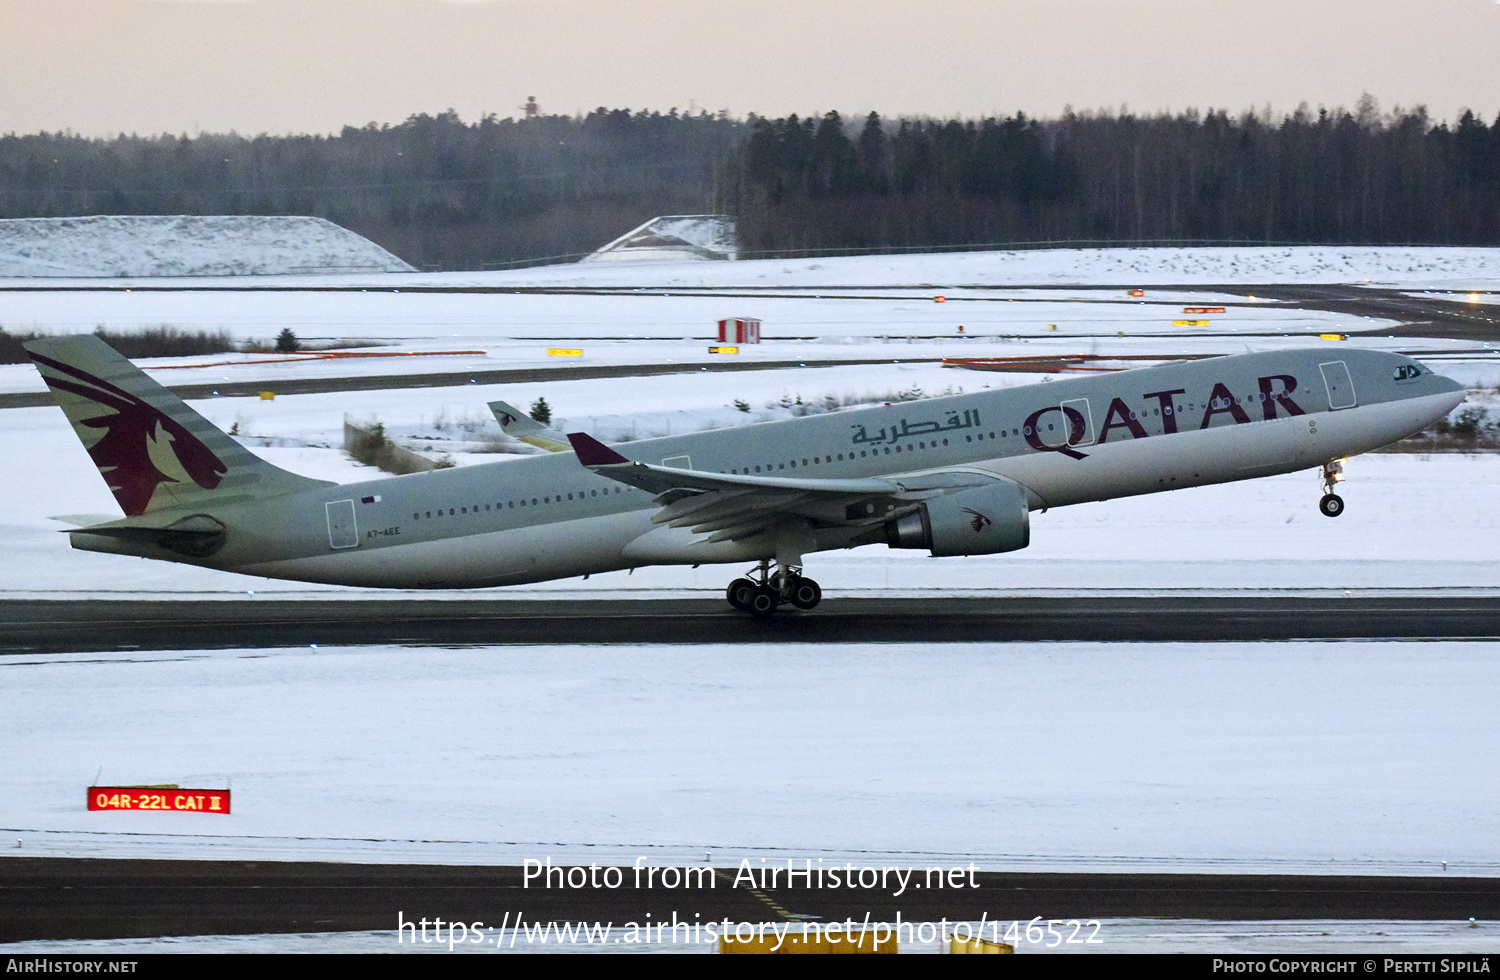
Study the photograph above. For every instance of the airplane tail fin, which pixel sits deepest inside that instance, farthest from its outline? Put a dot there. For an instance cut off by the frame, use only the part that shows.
(519, 425)
(154, 452)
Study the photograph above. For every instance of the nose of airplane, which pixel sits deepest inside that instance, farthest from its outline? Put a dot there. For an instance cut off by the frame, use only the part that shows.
(1445, 383)
(1455, 390)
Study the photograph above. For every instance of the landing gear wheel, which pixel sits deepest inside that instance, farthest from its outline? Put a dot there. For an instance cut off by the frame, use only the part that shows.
(805, 593)
(763, 602)
(738, 593)
(1332, 505)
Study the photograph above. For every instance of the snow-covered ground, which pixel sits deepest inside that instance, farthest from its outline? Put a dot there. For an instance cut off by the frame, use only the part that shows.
(1434, 267)
(1318, 757)
(1364, 936)
(1309, 757)
(185, 245)
(474, 319)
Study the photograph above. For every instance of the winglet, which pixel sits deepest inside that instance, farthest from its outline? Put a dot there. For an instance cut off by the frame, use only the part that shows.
(592, 452)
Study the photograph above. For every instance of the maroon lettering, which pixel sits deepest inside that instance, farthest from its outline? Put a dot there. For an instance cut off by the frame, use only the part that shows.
(1120, 416)
(1168, 415)
(1271, 398)
(1077, 427)
(1222, 401)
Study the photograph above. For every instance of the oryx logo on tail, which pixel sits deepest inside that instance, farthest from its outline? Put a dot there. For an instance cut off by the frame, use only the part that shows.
(138, 441)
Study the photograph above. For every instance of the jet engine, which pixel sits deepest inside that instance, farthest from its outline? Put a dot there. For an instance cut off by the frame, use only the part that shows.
(978, 521)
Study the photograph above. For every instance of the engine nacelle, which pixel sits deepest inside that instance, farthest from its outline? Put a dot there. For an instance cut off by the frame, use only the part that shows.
(978, 521)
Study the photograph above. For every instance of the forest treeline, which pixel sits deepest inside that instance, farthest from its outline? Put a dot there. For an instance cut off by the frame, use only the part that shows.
(442, 193)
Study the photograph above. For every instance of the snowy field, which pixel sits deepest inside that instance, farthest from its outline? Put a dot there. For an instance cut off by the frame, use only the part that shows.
(1423, 267)
(1264, 534)
(1366, 936)
(522, 326)
(1309, 757)
(1365, 757)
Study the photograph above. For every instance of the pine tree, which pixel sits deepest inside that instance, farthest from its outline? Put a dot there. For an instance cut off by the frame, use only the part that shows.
(541, 411)
(287, 342)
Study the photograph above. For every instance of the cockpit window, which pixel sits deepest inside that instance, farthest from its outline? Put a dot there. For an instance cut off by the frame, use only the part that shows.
(1407, 371)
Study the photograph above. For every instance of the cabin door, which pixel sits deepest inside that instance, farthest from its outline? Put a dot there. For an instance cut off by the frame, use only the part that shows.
(1340, 385)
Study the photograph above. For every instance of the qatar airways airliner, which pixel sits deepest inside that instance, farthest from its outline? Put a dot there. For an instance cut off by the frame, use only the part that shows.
(953, 476)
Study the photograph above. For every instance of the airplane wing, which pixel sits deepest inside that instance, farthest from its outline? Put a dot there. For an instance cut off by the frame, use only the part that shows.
(731, 506)
(516, 423)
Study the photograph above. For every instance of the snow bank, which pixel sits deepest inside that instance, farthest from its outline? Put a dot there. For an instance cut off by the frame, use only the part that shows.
(186, 245)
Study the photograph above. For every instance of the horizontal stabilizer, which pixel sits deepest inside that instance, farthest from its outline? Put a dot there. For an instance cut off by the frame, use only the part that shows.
(198, 536)
(83, 520)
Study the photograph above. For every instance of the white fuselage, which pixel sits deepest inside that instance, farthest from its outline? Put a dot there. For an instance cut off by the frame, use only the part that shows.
(546, 517)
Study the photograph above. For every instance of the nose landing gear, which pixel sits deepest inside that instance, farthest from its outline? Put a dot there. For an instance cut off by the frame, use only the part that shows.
(1332, 505)
(760, 598)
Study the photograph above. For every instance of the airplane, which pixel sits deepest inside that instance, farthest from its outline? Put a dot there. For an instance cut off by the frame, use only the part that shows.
(954, 476)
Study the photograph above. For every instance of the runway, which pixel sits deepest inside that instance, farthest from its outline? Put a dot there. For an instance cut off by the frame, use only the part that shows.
(70, 898)
(70, 626)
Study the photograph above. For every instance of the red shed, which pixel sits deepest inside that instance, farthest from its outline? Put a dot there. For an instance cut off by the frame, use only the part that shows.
(739, 330)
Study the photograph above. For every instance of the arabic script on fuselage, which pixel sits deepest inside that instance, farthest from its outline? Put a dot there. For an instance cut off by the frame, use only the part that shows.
(907, 429)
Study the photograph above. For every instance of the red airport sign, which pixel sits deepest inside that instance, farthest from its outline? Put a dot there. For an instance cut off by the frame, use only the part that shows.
(159, 798)
(1203, 309)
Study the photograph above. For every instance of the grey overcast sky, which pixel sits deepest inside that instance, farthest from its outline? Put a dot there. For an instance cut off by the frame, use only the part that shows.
(100, 67)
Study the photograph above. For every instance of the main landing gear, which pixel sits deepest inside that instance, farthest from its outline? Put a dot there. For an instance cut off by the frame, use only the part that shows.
(760, 598)
(1332, 505)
